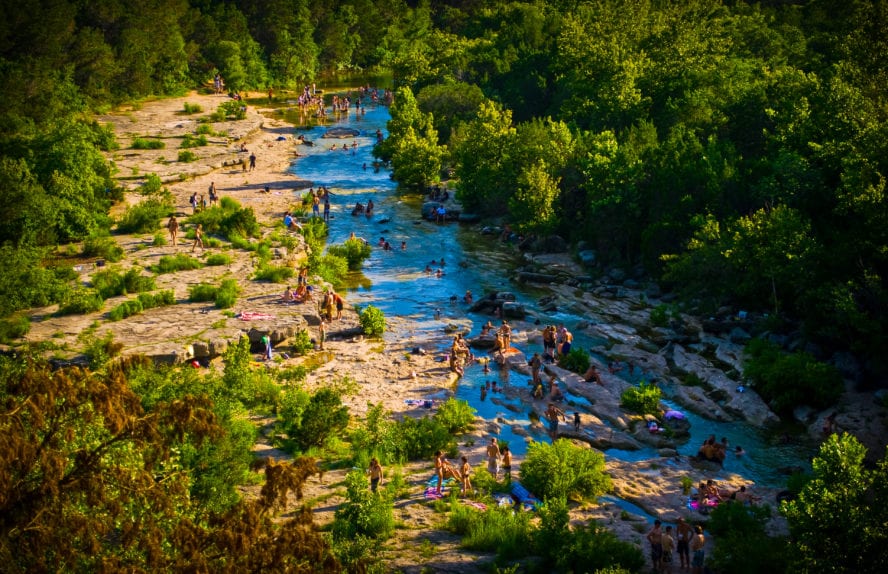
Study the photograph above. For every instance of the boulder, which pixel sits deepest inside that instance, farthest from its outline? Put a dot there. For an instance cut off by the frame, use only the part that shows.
(529, 277)
(200, 349)
(512, 310)
(587, 257)
(550, 244)
(341, 132)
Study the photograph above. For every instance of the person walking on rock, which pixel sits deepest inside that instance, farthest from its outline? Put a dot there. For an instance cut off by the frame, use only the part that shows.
(252, 161)
(173, 227)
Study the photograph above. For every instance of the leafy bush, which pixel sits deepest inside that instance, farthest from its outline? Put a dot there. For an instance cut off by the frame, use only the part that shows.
(15, 327)
(202, 292)
(273, 273)
(226, 297)
(189, 141)
(187, 156)
(786, 381)
(562, 470)
(309, 421)
(372, 321)
(249, 386)
(178, 262)
(192, 108)
(741, 532)
(143, 143)
(577, 361)
(643, 399)
(152, 186)
(231, 109)
(26, 282)
(205, 129)
(331, 269)
(142, 303)
(416, 439)
(80, 301)
(456, 415)
(363, 513)
(354, 251)
(111, 283)
(104, 247)
(497, 529)
(593, 548)
(217, 259)
(659, 315)
(301, 342)
(227, 219)
(100, 351)
(144, 217)
(159, 240)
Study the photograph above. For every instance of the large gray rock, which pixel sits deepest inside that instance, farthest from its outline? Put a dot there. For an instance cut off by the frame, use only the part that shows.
(512, 310)
(587, 257)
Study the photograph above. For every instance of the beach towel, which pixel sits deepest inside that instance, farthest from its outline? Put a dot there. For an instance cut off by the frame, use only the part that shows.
(254, 316)
(674, 415)
(433, 482)
(708, 505)
(479, 505)
(431, 493)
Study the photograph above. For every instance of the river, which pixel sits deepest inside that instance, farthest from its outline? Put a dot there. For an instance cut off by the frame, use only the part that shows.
(395, 282)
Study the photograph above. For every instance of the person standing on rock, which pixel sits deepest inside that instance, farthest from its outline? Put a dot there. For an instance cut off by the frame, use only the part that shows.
(698, 555)
(683, 532)
(493, 456)
(536, 363)
(252, 161)
(266, 340)
(507, 464)
(554, 415)
(655, 537)
(173, 227)
(322, 333)
(198, 238)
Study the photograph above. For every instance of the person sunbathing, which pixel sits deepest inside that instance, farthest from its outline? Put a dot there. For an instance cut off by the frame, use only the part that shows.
(288, 295)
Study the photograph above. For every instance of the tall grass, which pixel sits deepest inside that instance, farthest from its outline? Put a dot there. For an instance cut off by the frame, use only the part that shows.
(508, 533)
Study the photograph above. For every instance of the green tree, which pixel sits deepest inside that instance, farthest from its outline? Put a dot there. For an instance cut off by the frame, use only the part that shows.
(837, 523)
(562, 470)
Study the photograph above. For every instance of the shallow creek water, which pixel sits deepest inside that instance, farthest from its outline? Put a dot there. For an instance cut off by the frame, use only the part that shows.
(395, 282)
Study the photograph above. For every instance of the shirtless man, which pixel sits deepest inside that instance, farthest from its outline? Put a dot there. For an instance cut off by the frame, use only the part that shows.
(655, 537)
(173, 227)
(683, 533)
(554, 414)
(698, 555)
(493, 455)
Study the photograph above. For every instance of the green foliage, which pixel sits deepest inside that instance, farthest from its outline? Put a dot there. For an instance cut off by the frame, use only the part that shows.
(497, 529)
(104, 247)
(301, 342)
(226, 297)
(456, 415)
(273, 273)
(230, 110)
(142, 303)
(643, 399)
(146, 143)
(27, 282)
(152, 186)
(81, 300)
(227, 219)
(836, 522)
(330, 268)
(744, 546)
(145, 216)
(189, 141)
(562, 470)
(217, 259)
(363, 513)
(788, 380)
(659, 316)
(111, 282)
(187, 156)
(310, 420)
(252, 388)
(372, 321)
(593, 548)
(354, 251)
(577, 361)
(14, 327)
(178, 262)
(191, 108)
(101, 350)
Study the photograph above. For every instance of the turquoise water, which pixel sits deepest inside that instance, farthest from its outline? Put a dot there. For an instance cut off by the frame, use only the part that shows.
(395, 282)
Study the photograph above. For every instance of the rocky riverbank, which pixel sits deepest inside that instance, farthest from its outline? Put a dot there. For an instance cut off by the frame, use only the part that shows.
(616, 312)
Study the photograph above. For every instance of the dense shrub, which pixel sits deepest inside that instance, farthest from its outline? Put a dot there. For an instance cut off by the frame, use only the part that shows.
(202, 292)
(740, 530)
(456, 415)
(102, 246)
(187, 156)
(218, 259)
(111, 283)
(331, 269)
(26, 282)
(226, 297)
(643, 399)
(354, 251)
(309, 420)
(249, 386)
(178, 262)
(363, 513)
(228, 219)
(273, 273)
(593, 548)
(301, 342)
(144, 143)
(497, 530)
(192, 108)
(416, 439)
(190, 141)
(81, 300)
(143, 302)
(786, 381)
(152, 186)
(562, 470)
(577, 361)
(372, 321)
(14, 327)
(144, 217)
(230, 110)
